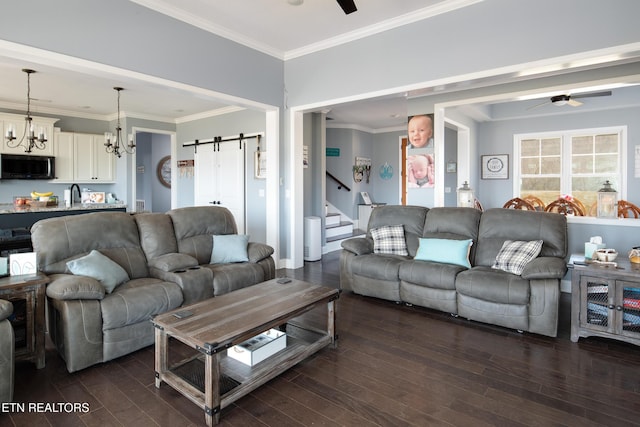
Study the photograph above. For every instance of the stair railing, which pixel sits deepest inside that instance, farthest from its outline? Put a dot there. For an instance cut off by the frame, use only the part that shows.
(341, 184)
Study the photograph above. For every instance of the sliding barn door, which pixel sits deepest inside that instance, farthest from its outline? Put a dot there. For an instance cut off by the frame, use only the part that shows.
(219, 178)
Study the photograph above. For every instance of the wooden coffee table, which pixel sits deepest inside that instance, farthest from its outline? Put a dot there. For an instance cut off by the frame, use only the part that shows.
(212, 380)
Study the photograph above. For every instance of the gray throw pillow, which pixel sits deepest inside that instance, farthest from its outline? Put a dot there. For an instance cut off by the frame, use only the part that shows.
(101, 268)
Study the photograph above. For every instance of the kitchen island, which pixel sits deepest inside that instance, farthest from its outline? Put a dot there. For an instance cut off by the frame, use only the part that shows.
(16, 221)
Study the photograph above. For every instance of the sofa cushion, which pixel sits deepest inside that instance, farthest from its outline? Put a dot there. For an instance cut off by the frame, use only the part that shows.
(156, 234)
(381, 267)
(453, 223)
(115, 234)
(232, 276)
(448, 251)
(411, 217)
(430, 274)
(493, 285)
(516, 254)
(101, 268)
(389, 239)
(229, 248)
(138, 300)
(498, 225)
(194, 226)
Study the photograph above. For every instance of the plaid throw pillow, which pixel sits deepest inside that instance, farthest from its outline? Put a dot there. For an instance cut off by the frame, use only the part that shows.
(389, 239)
(516, 254)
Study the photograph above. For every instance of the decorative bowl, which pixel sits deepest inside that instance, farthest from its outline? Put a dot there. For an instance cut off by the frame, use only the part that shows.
(606, 255)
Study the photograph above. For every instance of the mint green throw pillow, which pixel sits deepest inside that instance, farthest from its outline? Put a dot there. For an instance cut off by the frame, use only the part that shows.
(101, 268)
(447, 251)
(229, 248)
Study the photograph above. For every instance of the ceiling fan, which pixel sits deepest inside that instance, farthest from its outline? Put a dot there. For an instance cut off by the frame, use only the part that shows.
(567, 99)
(349, 6)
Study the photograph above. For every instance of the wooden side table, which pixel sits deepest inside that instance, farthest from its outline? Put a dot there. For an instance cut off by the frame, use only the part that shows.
(26, 293)
(605, 301)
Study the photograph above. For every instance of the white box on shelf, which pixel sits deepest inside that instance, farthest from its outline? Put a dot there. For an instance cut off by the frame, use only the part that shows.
(258, 348)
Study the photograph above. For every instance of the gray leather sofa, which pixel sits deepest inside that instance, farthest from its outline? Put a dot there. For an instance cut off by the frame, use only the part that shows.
(7, 349)
(88, 324)
(527, 302)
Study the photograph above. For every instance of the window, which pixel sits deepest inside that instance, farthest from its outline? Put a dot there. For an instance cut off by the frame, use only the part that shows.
(575, 163)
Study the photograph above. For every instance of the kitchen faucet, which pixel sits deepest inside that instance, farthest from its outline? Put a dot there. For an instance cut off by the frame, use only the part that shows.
(79, 193)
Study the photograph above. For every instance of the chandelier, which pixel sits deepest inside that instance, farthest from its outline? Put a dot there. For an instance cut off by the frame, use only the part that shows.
(29, 138)
(117, 147)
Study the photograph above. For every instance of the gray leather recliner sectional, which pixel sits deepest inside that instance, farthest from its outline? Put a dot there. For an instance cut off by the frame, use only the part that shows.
(166, 257)
(527, 302)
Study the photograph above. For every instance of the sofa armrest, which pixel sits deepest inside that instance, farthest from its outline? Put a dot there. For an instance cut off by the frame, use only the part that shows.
(70, 287)
(545, 268)
(258, 251)
(6, 308)
(173, 261)
(358, 245)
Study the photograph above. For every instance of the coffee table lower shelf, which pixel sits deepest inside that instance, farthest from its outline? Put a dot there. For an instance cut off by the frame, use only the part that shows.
(236, 379)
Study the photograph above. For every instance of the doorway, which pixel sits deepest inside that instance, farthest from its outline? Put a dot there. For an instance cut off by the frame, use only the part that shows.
(153, 172)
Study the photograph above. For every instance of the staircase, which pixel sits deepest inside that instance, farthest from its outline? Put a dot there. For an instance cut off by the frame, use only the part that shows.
(336, 230)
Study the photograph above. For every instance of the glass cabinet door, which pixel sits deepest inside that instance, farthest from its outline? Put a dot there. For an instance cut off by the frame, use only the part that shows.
(597, 296)
(630, 308)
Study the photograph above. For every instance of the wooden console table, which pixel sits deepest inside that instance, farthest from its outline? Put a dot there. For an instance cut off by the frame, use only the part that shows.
(26, 293)
(605, 301)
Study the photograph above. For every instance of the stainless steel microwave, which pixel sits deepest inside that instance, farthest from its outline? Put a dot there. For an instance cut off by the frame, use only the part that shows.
(23, 166)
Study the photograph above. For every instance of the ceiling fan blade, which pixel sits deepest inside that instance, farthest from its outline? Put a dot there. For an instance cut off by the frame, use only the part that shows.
(574, 103)
(539, 105)
(591, 94)
(348, 6)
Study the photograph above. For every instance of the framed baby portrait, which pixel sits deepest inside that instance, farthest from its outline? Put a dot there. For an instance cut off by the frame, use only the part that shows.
(420, 170)
(495, 166)
(420, 131)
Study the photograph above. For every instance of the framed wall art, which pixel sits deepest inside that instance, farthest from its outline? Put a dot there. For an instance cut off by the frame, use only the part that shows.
(495, 166)
(452, 167)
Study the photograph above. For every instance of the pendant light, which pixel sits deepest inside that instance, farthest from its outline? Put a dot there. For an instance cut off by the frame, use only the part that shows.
(29, 138)
(118, 146)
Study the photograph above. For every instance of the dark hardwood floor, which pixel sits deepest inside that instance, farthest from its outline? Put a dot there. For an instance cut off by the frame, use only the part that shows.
(394, 366)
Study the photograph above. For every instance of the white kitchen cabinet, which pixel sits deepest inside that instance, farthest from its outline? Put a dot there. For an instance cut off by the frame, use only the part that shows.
(17, 123)
(82, 158)
(63, 152)
(92, 163)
